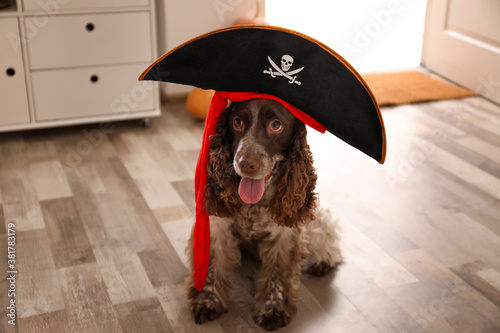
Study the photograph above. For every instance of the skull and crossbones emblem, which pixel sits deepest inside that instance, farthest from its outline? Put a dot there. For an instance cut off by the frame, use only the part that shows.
(286, 64)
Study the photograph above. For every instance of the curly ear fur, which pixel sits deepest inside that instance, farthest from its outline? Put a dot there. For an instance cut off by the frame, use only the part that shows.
(294, 201)
(221, 193)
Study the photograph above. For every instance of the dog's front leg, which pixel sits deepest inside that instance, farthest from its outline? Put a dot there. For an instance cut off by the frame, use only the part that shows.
(279, 278)
(212, 301)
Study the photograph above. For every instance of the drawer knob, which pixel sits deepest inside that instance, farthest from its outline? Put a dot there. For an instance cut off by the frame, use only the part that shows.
(90, 26)
(94, 78)
(10, 71)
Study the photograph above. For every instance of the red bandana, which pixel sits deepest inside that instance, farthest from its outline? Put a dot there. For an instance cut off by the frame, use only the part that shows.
(201, 236)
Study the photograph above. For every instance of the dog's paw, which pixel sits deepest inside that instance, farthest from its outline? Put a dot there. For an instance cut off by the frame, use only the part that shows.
(272, 317)
(320, 269)
(205, 307)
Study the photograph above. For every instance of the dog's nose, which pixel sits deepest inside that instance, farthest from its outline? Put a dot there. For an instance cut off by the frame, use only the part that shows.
(249, 164)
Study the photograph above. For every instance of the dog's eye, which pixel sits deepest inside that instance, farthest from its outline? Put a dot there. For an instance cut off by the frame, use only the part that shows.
(275, 126)
(238, 124)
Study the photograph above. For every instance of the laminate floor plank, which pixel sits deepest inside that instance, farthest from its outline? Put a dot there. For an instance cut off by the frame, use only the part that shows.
(115, 230)
(448, 191)
(492, 277)
(163, 266)
(160, 270)
(39, 147)
(440, 325)
(87, 175)
(351, 280)
(20, 201)
(145, 315)
(422, 304)
(116, 179)
(122, 224)
(88, 305)
(190, 158)
(463, 120)
(466, 172)
(384, 314)
(483, 278)
(122, 272)
(49, 179)
(5, 300)
(150, 223)
(68, 240)
(373, 261)
(406, 215)
(38, 285)
(485, 108)
(452, 290)
(185, 189)
(378, 231)
(117, 141)
(436, 124)
(177, 233)
(479, 146)
(173, 213)
(155, 187)
(48, 322)
(85, 194)
(473, 156)
(162, 153)
(12, 151)
(477, 241)
(340, 316)
(73, 147)
(472, 322)
(2, 221)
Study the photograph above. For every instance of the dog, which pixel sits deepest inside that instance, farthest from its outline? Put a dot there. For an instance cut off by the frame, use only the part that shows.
(260, 196)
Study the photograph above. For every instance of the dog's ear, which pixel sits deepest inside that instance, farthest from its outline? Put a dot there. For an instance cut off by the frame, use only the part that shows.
(221, 192)
(294, 201)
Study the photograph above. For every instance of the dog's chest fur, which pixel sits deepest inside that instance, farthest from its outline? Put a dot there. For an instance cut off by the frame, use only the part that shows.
(254, 223)
(254, 226)
(255, 229)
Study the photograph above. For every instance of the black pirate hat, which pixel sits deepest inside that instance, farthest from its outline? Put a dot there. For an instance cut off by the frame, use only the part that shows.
(289, 65)
(311, 80)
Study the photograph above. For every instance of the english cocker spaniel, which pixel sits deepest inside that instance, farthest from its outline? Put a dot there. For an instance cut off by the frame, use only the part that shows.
(260, 195)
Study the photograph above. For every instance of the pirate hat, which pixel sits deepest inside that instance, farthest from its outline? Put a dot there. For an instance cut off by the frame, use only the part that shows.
(254, 61)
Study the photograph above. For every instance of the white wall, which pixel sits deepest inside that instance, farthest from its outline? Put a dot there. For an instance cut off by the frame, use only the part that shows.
(181, 20)
(373, 35)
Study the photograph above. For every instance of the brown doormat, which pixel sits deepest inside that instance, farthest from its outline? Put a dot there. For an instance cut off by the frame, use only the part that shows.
(412, 87)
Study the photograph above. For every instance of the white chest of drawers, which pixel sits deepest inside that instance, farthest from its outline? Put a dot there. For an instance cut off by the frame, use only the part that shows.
(65, 62)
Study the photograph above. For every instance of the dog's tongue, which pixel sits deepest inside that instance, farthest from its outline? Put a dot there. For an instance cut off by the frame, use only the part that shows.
(251, 190)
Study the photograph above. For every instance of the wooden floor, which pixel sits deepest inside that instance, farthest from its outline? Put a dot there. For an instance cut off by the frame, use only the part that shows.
(102, 214)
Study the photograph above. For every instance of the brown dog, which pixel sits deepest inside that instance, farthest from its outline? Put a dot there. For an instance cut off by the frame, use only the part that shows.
(260, 194)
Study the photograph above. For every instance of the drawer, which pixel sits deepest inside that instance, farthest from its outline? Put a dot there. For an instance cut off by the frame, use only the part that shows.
(94, 91)
(13, 96)
(55, 5)
(89, 40)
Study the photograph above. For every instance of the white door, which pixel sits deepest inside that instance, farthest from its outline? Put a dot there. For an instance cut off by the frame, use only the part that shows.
(462, 43)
